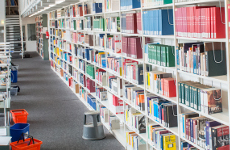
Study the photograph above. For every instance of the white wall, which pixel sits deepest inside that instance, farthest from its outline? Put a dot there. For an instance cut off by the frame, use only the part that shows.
(2, 17)
(30, 45)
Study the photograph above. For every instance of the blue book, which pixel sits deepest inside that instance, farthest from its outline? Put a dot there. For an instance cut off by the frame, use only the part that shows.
(159, 22)
(165, 18)
(97, 7)
(156, 26)
(191, 130)
(209, 125)
(144, 21)
(12, 3)
(135, 4)
(194, 63)
(151, 26)
(183, 145)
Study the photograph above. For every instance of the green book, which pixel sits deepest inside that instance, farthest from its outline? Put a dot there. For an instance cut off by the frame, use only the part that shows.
(163, 56)
(195, 90)
(74, 25)
(198, 99)
(179, 92)
(191, 102)
(182, 93)
(149, 53)
(158, 54)
(118, 24)
(167, 2)
(154, 54)
(170, 56)
(187, 94)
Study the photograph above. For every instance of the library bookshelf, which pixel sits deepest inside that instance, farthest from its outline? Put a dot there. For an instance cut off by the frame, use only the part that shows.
(80, 53)
(42, 42)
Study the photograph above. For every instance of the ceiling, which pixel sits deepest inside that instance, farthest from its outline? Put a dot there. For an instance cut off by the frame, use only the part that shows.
(45, 6)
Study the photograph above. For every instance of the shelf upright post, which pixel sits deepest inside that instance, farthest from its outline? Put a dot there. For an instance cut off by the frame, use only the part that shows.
(144, 75)
(226, 2)
(122, 75)
(177, 76)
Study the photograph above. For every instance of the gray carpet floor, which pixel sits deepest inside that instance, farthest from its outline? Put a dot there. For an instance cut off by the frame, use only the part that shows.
(55, 113)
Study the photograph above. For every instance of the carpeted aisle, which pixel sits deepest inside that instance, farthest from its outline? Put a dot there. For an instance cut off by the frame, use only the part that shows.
(55, 113)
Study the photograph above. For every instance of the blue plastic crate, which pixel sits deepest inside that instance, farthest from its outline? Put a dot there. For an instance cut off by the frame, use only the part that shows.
(17, 129)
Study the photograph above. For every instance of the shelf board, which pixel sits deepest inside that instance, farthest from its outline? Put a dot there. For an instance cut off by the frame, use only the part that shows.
(157, 6)
(222, 117)
(197, 2)
(222, 79)
(202, 39)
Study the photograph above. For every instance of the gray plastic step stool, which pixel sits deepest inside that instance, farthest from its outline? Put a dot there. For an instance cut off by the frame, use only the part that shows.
(93, 130)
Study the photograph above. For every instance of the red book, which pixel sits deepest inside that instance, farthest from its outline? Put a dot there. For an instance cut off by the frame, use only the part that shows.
(208, 23)
(218, 22)
(115, 100)
(188, 20)
(139, 25)
(84, 80)
(74, 14)
(199, 24)
(134, 23)
(192, 27)
(169, 87)
(80, 11)
(187, 123)
(203, 22)
(124, 45)
(185, 22)
(129, 48)
(132, 47)
(196, 27)
(138, 48)
(92, 86)
(195, 131)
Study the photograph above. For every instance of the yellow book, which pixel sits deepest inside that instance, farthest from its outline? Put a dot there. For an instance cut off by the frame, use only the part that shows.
(128, 136)
(148, 74)
(169, 142)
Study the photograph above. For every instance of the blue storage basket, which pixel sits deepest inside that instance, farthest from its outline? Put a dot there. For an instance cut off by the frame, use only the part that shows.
(17, 129)
(14, 76)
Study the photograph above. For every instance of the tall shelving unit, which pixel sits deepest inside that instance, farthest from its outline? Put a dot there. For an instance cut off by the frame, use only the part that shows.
(68, 71)
(5, 99)
(42, 42)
